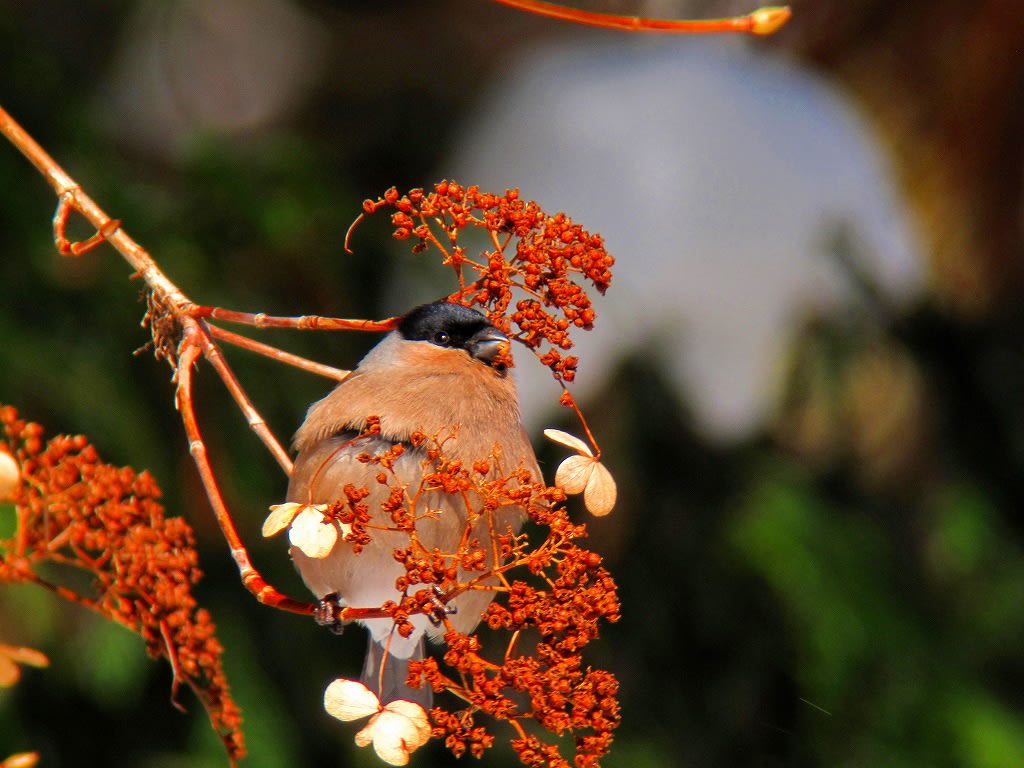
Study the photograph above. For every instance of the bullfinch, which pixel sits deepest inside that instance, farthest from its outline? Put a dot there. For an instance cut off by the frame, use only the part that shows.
(441, 371)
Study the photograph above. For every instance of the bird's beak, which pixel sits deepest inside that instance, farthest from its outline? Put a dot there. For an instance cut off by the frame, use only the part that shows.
(489, 346)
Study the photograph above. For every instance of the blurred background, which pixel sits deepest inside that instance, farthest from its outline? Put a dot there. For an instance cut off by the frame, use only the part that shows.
(807, 376)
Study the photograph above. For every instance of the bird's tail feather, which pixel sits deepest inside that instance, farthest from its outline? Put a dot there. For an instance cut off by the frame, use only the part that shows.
(390, 684)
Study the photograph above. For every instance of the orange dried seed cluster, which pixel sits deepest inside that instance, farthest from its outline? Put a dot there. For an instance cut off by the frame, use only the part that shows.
(76, 510)
(540, 256)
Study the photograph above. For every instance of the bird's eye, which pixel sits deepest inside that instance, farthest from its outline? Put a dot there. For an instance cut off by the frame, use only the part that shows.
(441, 339)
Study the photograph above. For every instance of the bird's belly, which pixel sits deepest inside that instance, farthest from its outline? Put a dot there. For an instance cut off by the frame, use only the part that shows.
(367, 579)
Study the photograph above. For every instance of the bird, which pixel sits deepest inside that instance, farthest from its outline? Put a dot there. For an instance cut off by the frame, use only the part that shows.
(442, 371)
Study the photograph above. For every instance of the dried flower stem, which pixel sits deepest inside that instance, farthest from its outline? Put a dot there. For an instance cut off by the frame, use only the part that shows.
(287, 358)
(213, 354)
(763, 21)
(302, 323)
(31, 577)
(190, 352)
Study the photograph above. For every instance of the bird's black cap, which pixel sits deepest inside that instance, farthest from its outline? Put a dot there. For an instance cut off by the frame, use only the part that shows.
(427, 322)
(453, 325)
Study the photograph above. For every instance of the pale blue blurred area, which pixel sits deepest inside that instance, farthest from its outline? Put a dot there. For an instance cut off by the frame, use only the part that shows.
(717, 174)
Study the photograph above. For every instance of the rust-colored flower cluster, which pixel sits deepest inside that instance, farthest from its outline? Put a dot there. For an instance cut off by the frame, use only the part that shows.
(539, 255)
(551, 596)
(75, 510)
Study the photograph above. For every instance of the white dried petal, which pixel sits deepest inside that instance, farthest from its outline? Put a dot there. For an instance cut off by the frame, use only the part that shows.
(281, 516)
(365, 737)
(601, 492)
(350, 700)
(417, 716)
(569, 441)
(393, 734)
(10, 474)
(573, 474)
(312, 534)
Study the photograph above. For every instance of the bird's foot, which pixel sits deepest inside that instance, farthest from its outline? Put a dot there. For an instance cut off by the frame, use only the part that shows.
(327, 612)
(441, 608)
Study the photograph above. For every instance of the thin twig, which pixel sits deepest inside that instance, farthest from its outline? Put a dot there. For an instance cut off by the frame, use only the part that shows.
(302, 323)
(214, 356)
(68, 192)
(251, 578)
(172, 658)
(244, 342)
(763, 21)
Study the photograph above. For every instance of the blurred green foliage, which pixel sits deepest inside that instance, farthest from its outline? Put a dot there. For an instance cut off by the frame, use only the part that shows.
(784, 603)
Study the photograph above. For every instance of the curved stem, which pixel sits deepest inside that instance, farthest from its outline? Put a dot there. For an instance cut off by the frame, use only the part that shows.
(251, 578)
(763, 21)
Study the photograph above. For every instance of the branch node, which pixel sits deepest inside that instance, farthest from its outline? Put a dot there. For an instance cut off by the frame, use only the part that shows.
(67, 203)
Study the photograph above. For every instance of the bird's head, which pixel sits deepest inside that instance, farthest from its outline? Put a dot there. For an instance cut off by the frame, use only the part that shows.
(460, 329)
